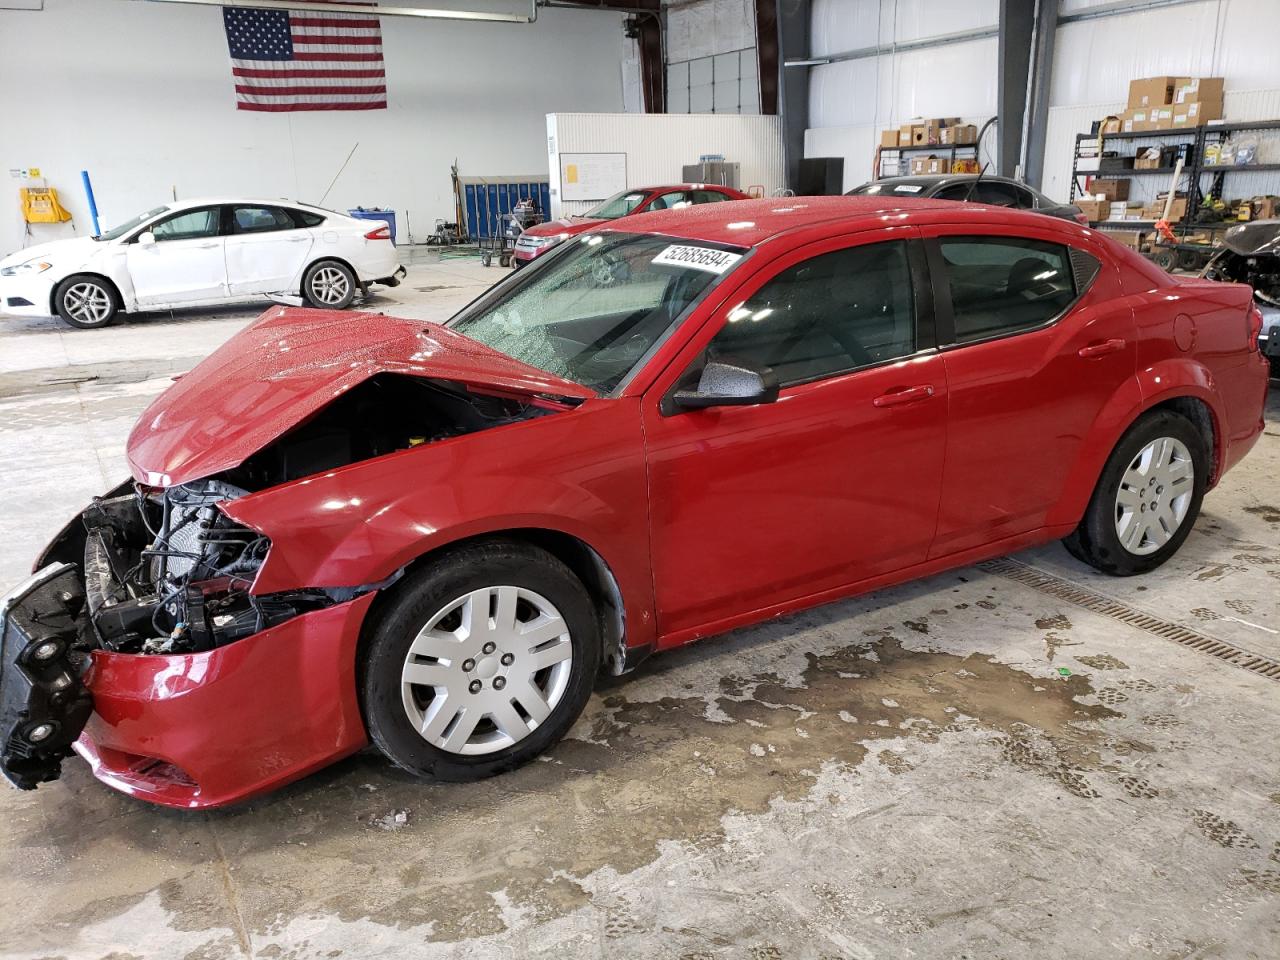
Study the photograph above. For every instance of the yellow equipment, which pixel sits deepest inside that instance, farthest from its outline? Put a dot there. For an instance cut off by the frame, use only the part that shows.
(40, 205)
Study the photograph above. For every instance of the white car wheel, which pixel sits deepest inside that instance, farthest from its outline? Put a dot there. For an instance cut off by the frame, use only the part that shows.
(329, 285)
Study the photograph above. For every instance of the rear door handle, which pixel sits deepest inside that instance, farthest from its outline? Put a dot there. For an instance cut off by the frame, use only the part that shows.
(1102, 349)
(299, 239)
(207, 246)
(904, 395)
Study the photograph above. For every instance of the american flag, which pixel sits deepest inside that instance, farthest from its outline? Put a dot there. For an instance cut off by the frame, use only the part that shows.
(285, 60)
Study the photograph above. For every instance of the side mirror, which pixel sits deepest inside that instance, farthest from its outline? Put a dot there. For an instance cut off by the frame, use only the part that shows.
(729, 385)
(146, 239)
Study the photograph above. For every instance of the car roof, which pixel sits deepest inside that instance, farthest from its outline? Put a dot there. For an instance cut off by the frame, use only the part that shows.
(264, 201)
(683, 186)
(746, 223)
(943, 179)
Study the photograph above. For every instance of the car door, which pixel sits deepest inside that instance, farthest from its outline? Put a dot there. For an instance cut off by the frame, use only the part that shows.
(1036, 339)
(835, 482)
(178, 259)
(267, 249)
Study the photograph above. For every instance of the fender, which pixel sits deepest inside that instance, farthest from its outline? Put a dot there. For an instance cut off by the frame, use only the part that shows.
(360, 524)
(1148, 388)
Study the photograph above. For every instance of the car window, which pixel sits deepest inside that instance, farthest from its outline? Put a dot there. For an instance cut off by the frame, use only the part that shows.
(594, 309)
(835, 312)
(260, 219)
(305, 218)
(707, 196)
(670, 201)
(617, 206)
(1005, 284)
(996, 194)
(959, 191)
(188, 225)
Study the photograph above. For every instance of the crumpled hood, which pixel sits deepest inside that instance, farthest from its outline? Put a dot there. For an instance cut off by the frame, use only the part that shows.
(73, 250)
(290, 363)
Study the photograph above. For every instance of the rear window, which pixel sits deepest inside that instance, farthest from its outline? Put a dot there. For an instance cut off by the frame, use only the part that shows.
(305, 218)
(1002, 285)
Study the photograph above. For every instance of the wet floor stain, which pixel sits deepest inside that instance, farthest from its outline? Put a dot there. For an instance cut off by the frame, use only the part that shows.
(1268, 513)
(639, 774)
(1103, 661)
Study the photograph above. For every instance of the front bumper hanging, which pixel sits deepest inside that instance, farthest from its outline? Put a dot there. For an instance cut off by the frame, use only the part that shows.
(44, 704)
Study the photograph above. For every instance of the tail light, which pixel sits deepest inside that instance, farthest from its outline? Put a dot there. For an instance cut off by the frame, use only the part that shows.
(379, 233)
(1255, 326)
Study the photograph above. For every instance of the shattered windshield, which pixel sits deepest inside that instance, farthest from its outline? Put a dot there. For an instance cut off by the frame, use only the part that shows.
(593, 311)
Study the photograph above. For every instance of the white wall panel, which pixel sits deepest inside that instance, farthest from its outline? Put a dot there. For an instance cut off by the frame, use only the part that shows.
(658, 145)
(141, 95)
(841, 25)
(1234, 39)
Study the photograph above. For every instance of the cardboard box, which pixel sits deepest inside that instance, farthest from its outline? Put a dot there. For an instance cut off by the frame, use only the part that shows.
(1151, 92)
(1161, 118)
(939, 165)
(919, 166)
(1147, 160)
(1265, 208)
(889, 138)
(1136, 120)
(1134, 239)
(1111, 125)
(960, 134)
(1155, 209)
(1191, 89)
(1095, 210)
(1196, 113)
(904, 135)
(926, 134)
(1109, 188)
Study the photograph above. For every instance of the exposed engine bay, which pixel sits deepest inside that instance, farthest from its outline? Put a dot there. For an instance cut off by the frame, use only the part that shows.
(165, 571)
(1250, 254)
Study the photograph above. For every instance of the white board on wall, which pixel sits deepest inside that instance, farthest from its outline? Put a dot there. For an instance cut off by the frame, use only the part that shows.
(592, 176)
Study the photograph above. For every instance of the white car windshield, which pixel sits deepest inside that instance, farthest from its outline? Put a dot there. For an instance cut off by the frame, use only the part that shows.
(592, 311)
(117, 232)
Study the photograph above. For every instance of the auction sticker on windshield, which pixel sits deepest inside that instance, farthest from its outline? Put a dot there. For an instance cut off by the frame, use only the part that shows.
(698, 258)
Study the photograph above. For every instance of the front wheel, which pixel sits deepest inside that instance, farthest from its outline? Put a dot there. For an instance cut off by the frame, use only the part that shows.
(481, 661)
(1147, 498)
(86, 301)
(329, 285)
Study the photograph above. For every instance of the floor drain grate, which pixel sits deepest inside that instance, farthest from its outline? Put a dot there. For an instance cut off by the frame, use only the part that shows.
(1068, 591)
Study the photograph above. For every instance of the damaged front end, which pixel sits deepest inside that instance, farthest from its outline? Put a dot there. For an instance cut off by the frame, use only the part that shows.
(141, 571)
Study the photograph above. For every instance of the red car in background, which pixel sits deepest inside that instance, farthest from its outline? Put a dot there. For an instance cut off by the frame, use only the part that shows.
(537, 240)
(361, 528)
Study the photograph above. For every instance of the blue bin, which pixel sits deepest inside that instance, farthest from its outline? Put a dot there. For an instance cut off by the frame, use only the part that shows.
(373, 213)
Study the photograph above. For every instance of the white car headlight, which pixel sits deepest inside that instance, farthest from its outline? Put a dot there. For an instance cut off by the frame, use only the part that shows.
(31, 266)
(540, 242)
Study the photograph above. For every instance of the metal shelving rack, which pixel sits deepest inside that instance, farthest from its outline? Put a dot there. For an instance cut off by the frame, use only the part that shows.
(1193, 171)
(935, 148)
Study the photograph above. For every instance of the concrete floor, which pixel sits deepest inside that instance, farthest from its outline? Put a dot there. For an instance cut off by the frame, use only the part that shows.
(977, 765)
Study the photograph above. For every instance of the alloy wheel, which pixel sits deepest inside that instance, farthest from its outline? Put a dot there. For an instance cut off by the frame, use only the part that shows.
(330, 285)
(486, 670)
(1154, 496)
(88, 302)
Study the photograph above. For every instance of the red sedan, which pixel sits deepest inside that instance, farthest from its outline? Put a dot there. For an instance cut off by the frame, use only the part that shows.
(353, 529)
(539, 239)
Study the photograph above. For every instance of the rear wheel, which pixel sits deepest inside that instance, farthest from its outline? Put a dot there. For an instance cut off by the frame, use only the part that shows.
(86, 301)
(1147, 498)
(482, 661)
(329, 285)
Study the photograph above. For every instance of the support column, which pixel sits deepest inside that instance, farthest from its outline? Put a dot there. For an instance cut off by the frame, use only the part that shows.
(1041, 78)
(793, 44)
(1017, 31)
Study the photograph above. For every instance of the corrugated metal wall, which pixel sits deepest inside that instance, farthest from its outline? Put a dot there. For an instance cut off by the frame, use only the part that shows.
(657, 145)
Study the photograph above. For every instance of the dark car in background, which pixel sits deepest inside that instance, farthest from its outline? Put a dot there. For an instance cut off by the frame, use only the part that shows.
(978, 188)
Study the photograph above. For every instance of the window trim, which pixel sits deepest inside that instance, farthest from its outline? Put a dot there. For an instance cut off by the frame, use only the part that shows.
(944, 313)
(922, 295)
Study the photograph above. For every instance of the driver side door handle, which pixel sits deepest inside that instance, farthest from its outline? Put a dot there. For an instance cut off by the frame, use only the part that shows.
(902, 395)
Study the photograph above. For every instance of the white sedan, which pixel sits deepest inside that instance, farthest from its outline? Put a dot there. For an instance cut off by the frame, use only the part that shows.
(201, 252)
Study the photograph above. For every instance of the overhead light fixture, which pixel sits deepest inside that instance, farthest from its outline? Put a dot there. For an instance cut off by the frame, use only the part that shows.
(381, 10)
(816, 62)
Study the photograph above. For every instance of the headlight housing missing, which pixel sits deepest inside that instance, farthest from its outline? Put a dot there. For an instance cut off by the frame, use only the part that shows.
(22, 269)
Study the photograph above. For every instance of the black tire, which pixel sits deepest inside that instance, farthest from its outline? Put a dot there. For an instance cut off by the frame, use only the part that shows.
(1096, 541)
(419, 598)
(329, 285)
(100, 309)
